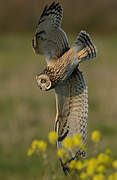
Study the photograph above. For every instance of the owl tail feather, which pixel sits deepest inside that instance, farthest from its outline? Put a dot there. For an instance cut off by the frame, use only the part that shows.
(86, 50)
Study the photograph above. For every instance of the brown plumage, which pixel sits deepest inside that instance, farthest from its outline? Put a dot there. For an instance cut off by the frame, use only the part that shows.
(62, 74)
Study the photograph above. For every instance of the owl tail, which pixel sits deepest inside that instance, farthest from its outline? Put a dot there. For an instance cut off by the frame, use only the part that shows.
(85, 48)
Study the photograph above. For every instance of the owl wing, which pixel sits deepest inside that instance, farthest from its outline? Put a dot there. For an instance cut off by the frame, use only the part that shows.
(51, 16)
(49, 39)
(72, 110)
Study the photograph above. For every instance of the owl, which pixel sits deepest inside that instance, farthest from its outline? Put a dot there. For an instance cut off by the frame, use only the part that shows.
(63, 74)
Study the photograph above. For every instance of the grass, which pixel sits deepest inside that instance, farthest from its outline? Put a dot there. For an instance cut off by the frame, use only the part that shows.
(27, 113)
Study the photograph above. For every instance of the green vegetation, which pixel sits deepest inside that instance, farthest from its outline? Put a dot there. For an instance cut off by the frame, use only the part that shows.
(26, 113)
(100, 166)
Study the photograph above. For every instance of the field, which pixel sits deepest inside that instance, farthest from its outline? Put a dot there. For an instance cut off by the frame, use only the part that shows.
(27, 113)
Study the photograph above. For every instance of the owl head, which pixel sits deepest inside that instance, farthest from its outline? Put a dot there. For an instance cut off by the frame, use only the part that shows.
(43, 82)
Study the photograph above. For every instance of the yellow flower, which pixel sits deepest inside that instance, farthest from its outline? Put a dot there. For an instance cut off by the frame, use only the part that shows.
(52, 136)
(101, 169)
(108, 151)
(64, 155)
(99, 177)
(90, 170)
(72, 164)
(114, 164)
(113, 176)
(86, 163)
(83, 175)
(42, 146)
(77, 140)
(79, 165)
(61, 153)
(110, 177)
(68, 143)
(105, 159)
(96, 136)
(91, 167)
(30, 152)
(34, 144)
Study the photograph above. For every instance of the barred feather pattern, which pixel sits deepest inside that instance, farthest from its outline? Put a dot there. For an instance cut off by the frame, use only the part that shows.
(72, 106)
(53, 14)
(84, 41)
(72, 113)
(49, 39)
(82, 50)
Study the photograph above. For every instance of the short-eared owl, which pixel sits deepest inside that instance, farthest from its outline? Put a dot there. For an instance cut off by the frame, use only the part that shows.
(62, 73)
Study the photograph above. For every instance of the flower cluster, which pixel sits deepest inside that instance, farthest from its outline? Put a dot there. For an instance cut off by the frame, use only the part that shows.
(69, 145)
(37, 146)
(94, 168)
(101, 166)
(72, 142)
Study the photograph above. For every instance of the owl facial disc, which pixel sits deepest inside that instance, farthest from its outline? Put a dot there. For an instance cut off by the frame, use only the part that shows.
(43, 82)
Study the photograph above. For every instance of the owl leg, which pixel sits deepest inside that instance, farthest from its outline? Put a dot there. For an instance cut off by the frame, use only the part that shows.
(65, 168)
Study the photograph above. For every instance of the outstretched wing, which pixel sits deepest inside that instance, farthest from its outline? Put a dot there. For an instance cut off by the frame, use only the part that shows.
(72, 109)
(51, 16)
(50, 40)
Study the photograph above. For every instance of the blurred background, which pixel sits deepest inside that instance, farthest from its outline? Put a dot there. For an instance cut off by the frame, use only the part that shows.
(26, 113)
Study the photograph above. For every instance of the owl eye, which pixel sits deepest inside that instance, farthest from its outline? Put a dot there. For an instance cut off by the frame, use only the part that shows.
(43, 80)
